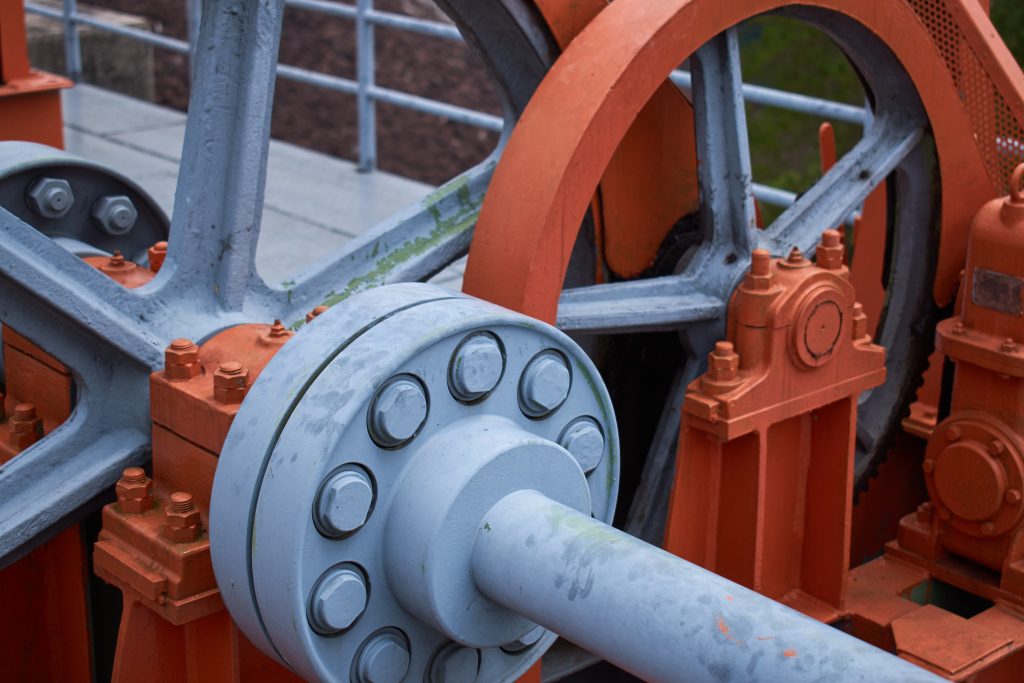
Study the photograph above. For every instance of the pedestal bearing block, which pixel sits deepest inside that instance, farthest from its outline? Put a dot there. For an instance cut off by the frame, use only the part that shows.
(359, 469)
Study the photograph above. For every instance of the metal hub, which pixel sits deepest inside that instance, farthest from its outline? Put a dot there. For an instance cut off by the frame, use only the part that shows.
(360, 468)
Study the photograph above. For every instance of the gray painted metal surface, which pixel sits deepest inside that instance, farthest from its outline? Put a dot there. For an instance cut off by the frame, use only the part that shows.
(652, 613)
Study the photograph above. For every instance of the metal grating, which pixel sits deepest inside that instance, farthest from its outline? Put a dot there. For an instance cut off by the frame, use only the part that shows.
(997, 133)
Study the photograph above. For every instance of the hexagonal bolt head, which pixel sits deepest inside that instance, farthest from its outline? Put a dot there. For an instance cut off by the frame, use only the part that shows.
(230, 382)
(157, 256)
(544, 385)
(476, 367)
(584, 440)
(383, 659)
(397, 411)
(26, 427)
(338, 599)
(181, 360)
(115, 214)
(454, 663)
(134, 491)
(51, 197)
(829, 254)
(723, 363)
(181, 519)
(344, 502)
(527, 640)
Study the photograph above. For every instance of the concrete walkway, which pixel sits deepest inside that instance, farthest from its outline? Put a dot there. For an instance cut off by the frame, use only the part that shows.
(313, 202)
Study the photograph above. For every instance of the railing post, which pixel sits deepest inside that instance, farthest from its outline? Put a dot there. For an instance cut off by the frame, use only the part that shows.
(72, 44)
(194, 15)
(365, 68)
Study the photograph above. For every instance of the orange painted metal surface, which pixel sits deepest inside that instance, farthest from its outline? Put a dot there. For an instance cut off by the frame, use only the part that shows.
(29, 99)
(651, 180)
(764, 475)
(154, 546)
(610, 71)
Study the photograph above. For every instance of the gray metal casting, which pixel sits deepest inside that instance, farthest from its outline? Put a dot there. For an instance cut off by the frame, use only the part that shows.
(653, 614)
(308, 416)
(115, 214)
(51, 197)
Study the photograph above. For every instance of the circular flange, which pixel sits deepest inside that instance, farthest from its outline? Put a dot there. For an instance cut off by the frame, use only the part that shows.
(307, 416)
(974, 469)
(91, 219)
(819, 325)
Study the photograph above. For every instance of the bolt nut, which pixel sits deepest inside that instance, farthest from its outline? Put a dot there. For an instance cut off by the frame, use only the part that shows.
(181, 519)
(181, 360)
(475, 367)
(384, 658)
(338, 599)
(315, 312)
(928, 466)
(26, 428)
(397, 411)
(454, 663)
(230, 382)
(759, 277)
(723, 363)
(115, 214)
(829, 254)
(51, 197)
(344, 502)
(584, 440)
(544, 385)
(134, 491)
(527, 640)
(860, 322)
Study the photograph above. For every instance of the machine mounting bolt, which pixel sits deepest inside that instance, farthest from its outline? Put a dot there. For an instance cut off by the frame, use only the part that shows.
(26, 427)
(988, 528)
(928, 466)
(527, 640)
(829, 254)
(384, 658)
(115, 214)
(181, 518)
(51, 197)
(157, 255)
(1013, 496)
(1008, 345)
(996, 447)
(860, 322)
(759, 277)
(454, 663)
(544, 385)
(344, 502)
(315, 312)
(181, 360)
(230, 382)
(475, 367)
(584, 440)
(134, 491)
(952, 433)
(338, 599)
(397, 411)
(723, 362)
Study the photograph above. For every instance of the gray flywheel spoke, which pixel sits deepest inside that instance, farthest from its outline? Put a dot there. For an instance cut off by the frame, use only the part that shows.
(52, 297)
(219, 198)
(847, 184)
(727, 200)
(409, 247)
(662, 303)
(52, 479)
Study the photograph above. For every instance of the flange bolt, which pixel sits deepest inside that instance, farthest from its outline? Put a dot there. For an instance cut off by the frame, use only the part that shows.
(51, 197)
(181, 360)
(455, 664)
(585, 442)
(344, 502)
(476, 367)
(230, 382)
(26, 427)
(134, 491)
(115, 214)
(337, 601)
(384, 659)
(397, 411)
(544, 385)
(829, 254)
(181, 518)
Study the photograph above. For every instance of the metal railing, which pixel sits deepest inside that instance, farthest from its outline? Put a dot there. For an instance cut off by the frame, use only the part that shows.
(368, 93)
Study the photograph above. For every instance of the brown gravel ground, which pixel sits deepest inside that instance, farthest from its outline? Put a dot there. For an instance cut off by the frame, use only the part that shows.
(410, 144)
